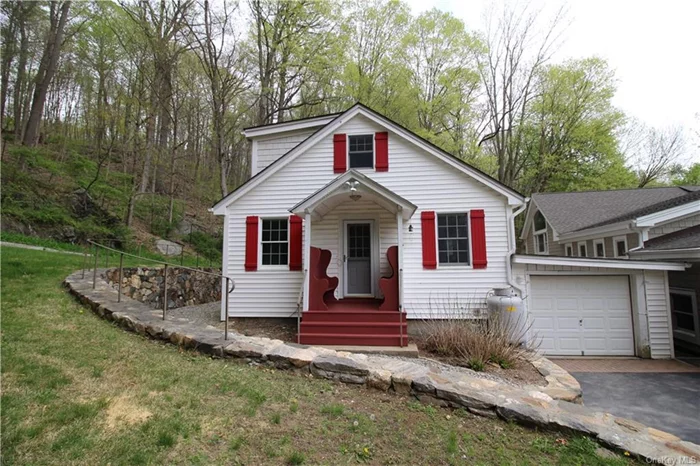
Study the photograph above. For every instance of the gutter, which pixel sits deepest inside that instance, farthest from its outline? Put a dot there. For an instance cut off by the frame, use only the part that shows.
(511, 251)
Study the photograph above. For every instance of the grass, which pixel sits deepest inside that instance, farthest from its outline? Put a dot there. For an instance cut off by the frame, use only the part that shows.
(110, 258)
(78, 390)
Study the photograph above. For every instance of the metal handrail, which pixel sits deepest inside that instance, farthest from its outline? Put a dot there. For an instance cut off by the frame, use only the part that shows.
(300, 299)
(230, 283)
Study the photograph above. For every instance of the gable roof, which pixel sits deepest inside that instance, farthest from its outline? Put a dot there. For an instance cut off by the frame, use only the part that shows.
(325, 199)
(513, 196)
(575, 211)
(291, 125)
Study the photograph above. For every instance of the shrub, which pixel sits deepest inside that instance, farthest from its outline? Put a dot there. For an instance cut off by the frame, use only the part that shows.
(205, 244)
(456, 332)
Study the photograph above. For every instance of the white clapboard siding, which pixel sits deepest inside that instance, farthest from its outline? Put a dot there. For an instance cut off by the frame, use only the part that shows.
(270, 149)
(658, 313)
(413, 174)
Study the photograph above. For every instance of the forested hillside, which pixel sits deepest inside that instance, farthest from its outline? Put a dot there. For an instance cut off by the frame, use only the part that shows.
(123, 119)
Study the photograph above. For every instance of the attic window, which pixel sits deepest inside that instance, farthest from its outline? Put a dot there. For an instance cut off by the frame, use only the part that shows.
(361, 151)
(539, 234)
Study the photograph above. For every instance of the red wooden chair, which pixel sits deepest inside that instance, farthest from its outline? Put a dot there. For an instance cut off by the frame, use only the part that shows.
(318, 285)
(390, 285)
(321, 286)
(329, 295)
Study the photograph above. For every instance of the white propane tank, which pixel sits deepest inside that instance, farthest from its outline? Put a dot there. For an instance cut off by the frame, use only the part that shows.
(509, 306)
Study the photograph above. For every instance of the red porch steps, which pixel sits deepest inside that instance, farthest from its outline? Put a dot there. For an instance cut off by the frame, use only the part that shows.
(354, 323)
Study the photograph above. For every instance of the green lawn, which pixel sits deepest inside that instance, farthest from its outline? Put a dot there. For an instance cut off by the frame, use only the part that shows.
(77, 390)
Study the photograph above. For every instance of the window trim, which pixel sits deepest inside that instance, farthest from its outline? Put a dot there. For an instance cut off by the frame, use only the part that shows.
(260, 245)
(684, 334)
(470, 264)
(347, 151)
(536, 233)
(596, 242)
(566, 246)
(585, 248)
(617, 239)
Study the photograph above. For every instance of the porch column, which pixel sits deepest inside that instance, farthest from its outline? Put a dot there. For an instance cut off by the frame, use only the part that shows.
(399, 234)
(307, 257)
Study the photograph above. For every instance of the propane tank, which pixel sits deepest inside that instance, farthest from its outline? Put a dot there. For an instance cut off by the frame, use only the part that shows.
(506, 305)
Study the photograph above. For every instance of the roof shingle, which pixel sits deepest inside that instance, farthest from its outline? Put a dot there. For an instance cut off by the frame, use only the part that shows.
(572, 211)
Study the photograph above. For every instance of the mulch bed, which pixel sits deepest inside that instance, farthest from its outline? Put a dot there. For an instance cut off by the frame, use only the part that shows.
(523, 373)
(285, 330)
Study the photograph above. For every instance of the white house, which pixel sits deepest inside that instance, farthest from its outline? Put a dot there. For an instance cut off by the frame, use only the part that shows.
(649, 224)
(363, 226)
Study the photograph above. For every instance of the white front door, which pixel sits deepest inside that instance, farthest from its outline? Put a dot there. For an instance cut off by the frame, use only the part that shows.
(582, 315)
(357, 258)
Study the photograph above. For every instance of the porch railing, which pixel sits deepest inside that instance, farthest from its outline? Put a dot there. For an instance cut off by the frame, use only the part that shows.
(300, 303)
(230, 283)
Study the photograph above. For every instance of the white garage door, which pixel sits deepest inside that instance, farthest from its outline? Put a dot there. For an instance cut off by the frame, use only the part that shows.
(582, 315)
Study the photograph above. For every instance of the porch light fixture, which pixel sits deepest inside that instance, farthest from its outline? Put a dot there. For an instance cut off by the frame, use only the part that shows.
(354, 195)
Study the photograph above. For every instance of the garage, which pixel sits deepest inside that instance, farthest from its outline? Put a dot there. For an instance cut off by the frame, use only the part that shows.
(582, 315)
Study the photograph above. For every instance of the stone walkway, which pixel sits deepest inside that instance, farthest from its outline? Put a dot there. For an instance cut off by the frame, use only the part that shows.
(543, 407)
(625, 365)
(200, 315)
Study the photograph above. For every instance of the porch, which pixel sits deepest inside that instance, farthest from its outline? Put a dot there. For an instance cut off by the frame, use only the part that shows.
(352, 289)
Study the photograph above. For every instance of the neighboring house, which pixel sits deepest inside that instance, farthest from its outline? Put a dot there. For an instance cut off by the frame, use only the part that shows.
(363, 226)
(660, 224)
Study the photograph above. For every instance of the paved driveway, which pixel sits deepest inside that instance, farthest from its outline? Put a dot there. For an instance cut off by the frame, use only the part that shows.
(660, 394)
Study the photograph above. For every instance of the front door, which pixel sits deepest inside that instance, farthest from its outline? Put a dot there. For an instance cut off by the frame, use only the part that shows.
(358, 258)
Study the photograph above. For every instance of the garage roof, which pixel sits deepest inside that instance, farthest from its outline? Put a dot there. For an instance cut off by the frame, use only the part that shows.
(598, 262)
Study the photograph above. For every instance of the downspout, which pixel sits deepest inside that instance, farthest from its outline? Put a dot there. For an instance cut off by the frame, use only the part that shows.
(511, 251)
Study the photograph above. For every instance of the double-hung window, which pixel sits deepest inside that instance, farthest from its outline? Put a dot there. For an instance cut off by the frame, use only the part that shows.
(361, 151)
(275, 244)
(582, 250)
(569, 249)
(453, 238)
(599, 248)
(539, 233)
(620, 245)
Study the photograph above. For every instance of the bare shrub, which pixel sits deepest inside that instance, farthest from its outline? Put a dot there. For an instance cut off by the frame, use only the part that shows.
(460, 330)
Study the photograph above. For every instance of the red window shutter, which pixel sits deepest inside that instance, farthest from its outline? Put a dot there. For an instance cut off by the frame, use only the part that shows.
(381, 147)
(478, 230)
(251, 243)
(294, 242)
(340, 155)
(427, 220)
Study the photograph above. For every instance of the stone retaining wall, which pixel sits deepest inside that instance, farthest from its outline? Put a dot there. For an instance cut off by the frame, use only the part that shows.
(185, 287)
(542, 407)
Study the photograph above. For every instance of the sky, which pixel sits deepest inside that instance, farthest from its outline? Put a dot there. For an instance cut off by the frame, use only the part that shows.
(653, 46)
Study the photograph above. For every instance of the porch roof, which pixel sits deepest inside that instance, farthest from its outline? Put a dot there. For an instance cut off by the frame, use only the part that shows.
(338, 191)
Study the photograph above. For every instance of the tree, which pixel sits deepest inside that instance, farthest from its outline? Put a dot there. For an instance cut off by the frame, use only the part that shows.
(373, 73)
(509, 71)
(223, 63)
(441, 58)
(160, 25)
(58, 17)
(287, 37)
(569, 137)
(688, 176)
(652, 152)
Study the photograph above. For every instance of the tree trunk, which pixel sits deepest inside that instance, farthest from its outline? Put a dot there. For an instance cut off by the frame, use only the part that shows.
(9, 50)
(47, 69)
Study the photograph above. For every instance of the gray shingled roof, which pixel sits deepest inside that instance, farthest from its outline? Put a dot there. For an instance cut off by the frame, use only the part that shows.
(681, 239)
(572, 211)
